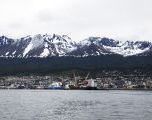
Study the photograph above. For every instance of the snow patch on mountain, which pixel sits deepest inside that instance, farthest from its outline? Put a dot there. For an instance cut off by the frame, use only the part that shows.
(126, 52)
(45, 53)
(27, 49)
(14, 52)
(7, 53)
(129, 48)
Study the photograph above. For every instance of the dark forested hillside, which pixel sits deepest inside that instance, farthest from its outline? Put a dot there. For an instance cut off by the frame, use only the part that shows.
(52, 64)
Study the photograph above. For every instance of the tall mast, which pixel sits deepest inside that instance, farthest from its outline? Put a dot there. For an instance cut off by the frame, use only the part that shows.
(75, 79)
(87, 76)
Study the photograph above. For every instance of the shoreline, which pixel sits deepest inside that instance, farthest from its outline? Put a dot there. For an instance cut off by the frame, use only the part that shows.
(84, 89)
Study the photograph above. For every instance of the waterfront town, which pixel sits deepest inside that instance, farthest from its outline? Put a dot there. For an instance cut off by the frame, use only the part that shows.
(109, 80)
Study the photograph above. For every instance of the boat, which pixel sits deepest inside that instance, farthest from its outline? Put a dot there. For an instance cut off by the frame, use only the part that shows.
(89, 85)
(56, 86)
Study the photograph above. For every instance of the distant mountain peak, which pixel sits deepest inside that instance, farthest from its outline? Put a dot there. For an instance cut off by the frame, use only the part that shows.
(48, 45)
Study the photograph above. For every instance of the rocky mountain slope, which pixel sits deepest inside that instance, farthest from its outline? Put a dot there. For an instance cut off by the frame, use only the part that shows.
(61, 45)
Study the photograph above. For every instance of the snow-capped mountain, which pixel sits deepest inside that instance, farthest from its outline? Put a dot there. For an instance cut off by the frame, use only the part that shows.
(61, 45)
(91, 47)
(125, 48)
(36, 46)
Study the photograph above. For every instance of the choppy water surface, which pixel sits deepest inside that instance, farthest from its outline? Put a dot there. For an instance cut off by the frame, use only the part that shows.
(75, 105)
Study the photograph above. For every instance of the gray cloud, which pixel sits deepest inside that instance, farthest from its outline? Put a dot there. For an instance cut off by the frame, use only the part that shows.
(45, 16)
(125, 19)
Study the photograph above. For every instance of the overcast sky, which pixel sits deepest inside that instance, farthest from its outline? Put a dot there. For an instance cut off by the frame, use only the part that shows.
(79, 19)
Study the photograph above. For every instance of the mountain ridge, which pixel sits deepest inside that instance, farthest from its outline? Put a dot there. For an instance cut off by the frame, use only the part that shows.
(48, 45)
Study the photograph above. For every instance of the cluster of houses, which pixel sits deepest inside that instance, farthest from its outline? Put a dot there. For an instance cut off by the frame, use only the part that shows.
(76, 82)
